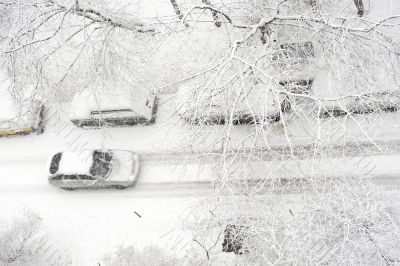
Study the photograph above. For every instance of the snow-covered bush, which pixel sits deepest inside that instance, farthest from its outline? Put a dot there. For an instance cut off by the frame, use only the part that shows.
(24, 242)
(19, 243)
(342, 221)
(148, 256)
(345, 223)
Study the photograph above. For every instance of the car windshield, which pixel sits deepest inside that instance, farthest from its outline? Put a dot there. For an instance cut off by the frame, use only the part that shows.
(55, 162)
(101, 164)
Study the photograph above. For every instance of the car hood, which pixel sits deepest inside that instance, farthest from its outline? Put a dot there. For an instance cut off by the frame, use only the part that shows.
(122, 166)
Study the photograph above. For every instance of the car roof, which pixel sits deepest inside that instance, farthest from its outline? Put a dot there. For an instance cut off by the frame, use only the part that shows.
(87, 101)
(76, 162)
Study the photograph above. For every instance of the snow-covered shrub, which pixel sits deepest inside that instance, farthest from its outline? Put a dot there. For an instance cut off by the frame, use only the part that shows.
(342, 221)
(148, 256)
(347, 221)
(24, 242)
(19, 243)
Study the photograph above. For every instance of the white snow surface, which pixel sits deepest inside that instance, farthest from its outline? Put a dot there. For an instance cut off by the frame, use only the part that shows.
(7, 108)
(85, 225)
(76, 162)
(122, 164)
(17, 109)
(83, 103)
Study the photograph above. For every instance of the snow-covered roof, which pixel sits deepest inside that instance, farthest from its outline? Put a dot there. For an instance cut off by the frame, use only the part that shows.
(76, 162)
(88, 101)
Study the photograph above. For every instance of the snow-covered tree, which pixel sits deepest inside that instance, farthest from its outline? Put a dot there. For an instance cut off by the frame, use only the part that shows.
(342, 221)
(24, 242)
(18, 240)
(296, 64)
(60, 47)
(320, 77)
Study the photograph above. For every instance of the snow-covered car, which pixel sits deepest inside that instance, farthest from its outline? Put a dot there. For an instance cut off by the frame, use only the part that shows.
(299, 50)
(93, 169)
(99, 109)
(385, 101)
(337, 100)
(197, 105)
(19, 115)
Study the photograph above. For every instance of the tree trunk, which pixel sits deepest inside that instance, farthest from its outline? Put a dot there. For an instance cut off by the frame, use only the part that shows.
(360, 7)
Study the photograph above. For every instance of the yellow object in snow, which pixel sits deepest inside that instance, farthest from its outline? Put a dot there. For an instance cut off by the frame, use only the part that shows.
(19, 131)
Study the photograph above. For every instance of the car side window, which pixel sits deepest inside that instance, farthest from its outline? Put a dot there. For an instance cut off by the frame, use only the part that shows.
(55, 162)
(81, 177)
(111, 112)
(73, 177)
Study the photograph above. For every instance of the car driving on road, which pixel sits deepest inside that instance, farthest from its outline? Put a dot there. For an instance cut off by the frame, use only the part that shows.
(93, 169)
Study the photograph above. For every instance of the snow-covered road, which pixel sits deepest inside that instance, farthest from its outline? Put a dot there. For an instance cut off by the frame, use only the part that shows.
(182, 172)
(164, 192)
(85, 224)
(88, 223)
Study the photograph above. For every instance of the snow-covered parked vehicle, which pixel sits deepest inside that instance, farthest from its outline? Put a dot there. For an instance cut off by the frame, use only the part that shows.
(19, 114)
(374, 102)
(199, 105)
(337, 101)
(112, 109)
(93, 169)
(298, 50)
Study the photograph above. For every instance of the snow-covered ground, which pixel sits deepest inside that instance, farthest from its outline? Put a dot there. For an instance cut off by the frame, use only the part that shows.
(88, 224)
